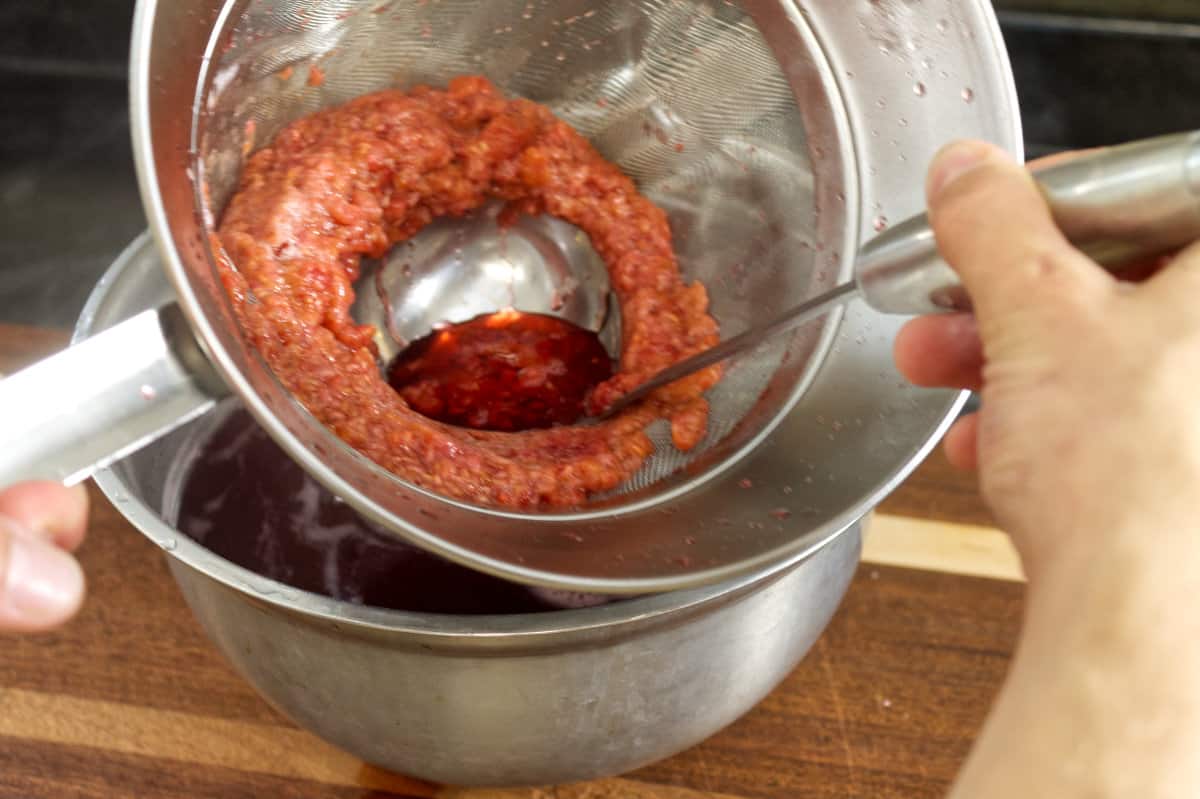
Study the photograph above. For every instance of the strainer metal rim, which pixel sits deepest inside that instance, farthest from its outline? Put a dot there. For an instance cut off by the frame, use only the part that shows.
(141, 88)
(334, 482)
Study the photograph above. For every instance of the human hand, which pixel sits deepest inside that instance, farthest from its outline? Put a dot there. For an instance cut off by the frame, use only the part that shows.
(41, 584)
(1090, 422)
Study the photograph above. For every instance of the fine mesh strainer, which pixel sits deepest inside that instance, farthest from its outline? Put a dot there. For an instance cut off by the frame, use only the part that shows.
(723, 152)
(774, 134)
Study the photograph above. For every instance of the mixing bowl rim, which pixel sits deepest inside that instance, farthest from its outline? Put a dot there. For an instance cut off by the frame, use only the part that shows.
(623, 615)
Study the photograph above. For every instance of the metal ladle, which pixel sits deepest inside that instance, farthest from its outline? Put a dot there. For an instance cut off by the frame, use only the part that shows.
(1119, 206)
(457, 269)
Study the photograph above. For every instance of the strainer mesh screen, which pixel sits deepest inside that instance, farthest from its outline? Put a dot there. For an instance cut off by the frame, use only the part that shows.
(685, 96)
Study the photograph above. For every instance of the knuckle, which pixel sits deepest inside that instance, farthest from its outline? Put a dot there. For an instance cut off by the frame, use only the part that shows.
(1048, 262)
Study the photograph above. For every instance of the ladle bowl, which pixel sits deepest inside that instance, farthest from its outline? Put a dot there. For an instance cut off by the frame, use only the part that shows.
(457, 269)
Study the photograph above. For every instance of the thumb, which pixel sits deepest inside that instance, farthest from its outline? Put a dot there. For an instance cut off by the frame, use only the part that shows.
(41, 586)
(994, 228)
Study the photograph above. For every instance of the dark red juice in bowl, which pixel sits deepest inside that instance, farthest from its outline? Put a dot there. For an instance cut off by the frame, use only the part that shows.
(241, 497)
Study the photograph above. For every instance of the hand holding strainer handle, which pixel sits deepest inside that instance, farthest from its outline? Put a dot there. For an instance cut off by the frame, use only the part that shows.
(1120, 206)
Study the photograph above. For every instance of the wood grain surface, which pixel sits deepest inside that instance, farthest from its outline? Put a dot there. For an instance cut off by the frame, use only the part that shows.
(130, 700)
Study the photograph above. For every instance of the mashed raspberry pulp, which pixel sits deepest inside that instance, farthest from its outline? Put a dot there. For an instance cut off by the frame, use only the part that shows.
(351, 181)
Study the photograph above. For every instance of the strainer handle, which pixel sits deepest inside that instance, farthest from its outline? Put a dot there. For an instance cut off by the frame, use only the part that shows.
(104, 398)
(1121, 206)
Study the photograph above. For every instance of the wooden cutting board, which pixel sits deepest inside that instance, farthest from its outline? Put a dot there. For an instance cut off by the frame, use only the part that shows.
(130, 700)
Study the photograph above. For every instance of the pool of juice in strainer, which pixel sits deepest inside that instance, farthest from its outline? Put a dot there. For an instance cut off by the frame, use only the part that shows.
(242, 498)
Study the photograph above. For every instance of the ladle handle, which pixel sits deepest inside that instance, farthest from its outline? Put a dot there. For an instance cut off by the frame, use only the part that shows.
(104, 398)
(1121, 206)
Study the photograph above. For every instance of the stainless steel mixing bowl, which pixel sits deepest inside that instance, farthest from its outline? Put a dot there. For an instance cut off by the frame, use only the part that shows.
(497, 700)
(854, 96)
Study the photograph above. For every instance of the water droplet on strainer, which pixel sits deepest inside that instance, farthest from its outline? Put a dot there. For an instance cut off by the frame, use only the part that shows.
(880, 224)
(919, 89)
(943, 26)
(968, 95)
(170, 544)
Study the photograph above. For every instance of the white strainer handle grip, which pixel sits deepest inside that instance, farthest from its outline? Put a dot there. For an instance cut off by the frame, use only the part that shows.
(1120, 205)
(102, 399)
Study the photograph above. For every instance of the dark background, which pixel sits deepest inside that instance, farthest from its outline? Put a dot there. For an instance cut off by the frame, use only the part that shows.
(1089, 72)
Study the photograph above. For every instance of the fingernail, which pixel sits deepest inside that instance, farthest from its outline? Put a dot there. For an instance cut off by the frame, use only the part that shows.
(42, 585)
(954, 161)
